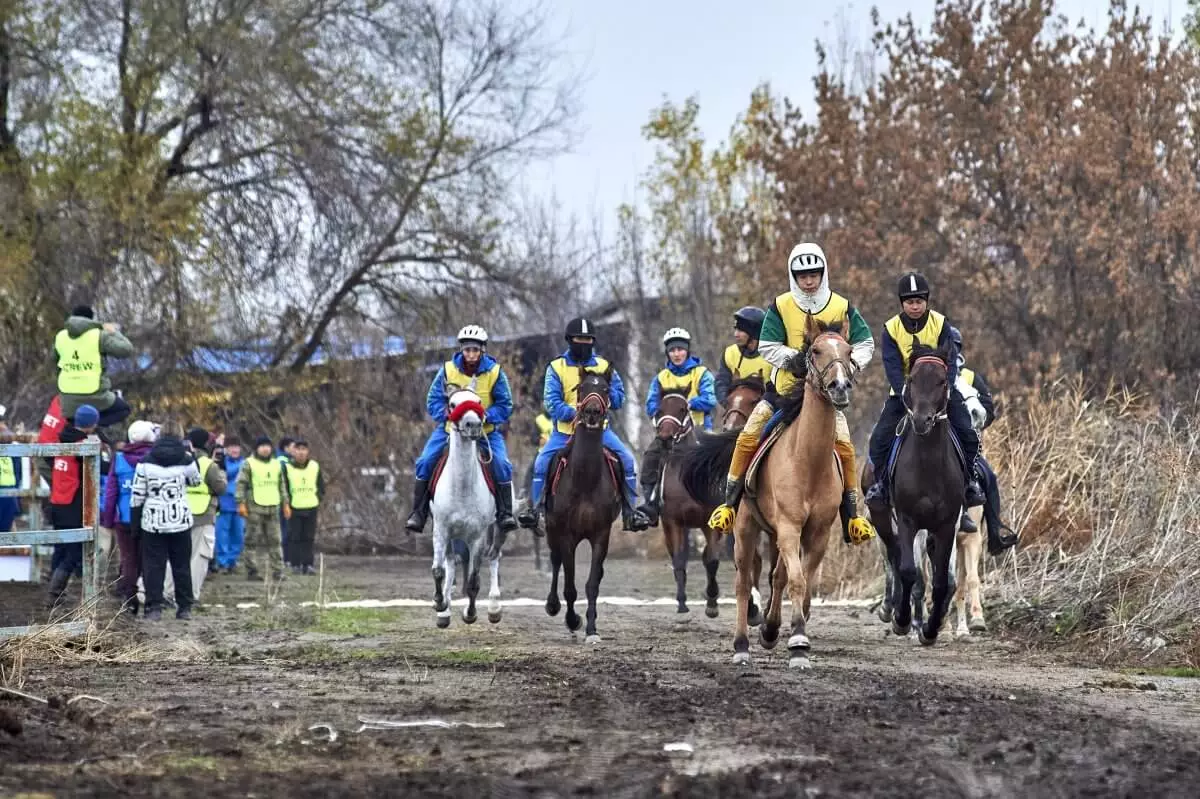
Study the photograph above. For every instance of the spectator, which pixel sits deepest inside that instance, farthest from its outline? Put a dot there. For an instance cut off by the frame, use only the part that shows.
(231, 527)
(262, 495)
(116, 512)
(80, 349)
(66, 501)
(306, 487)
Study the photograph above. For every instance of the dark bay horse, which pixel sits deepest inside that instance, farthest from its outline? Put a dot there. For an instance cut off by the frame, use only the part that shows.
(926, 493)
(740, 402)
(582, 502)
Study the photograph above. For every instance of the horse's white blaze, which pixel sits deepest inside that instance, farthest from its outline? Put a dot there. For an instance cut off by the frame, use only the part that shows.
(840, 372)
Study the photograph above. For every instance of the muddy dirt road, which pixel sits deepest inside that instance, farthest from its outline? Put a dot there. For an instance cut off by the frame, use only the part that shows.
(222, 706)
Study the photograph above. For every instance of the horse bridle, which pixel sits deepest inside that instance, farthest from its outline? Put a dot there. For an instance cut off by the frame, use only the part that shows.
(811, 364)
(686, 425)
(592, 398)
(728, 411)
(943, 414)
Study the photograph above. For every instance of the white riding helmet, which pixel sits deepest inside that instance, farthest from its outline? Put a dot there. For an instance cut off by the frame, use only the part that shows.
(677, 334)
(473, 333)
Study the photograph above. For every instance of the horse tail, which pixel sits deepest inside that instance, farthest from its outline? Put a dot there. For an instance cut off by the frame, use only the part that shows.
(703, 468)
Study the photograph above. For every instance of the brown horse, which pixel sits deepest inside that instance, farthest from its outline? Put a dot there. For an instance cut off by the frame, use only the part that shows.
(582, 502)
(796, 497)
(740, 402)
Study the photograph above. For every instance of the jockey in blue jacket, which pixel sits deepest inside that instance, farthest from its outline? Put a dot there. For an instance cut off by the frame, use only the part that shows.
(683, 374)
(559, 396)
(470, 363)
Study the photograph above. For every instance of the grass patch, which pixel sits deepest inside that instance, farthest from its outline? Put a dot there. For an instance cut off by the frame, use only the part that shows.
(355, 621)
(1167, 671)
(464, 657)
(191, 763)
(324, 653)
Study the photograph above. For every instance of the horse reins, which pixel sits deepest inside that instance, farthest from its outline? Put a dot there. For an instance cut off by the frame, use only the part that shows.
(944, 413)
(592, 398)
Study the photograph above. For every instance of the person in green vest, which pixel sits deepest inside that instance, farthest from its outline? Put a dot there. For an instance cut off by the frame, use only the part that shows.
(202, 501)
(80, 349)
(306, 486)
(10, 477)
(742, 360)
(260, 492)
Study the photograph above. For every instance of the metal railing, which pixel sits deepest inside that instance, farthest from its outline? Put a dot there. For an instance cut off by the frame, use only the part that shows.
(87, 535)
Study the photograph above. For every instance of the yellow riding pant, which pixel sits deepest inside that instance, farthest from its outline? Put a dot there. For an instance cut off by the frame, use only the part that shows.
(748, 438)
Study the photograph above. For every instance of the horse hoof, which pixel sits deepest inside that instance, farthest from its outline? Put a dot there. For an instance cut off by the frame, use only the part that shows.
(443, 620)
(683, 609)
(574, 623)
(799, 662)
(592, 639)
(884, 613)
(926, 640)
(899, 629)
(712, 611)
(470, 619)
(799, 641)
(552, 608)
(766, 639)
(977, 625)
(741, 658)
(494, 617)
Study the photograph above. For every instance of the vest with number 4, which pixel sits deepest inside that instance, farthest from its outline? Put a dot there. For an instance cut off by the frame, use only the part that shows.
(569, 377)
(264, 481)
(795, 325)
(79, 363)
(8, 473)
(688, 385)
(905, 341)
(303, 485)
(743, 366)
(484, 383)
(198, 496)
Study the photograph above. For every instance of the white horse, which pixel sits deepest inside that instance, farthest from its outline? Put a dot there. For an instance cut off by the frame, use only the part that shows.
(464, 510)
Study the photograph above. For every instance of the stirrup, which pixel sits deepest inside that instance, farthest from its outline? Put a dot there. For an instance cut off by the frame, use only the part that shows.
(860, 530)
(722, 519)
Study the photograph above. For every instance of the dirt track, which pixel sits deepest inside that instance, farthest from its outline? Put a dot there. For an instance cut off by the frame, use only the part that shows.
(876, 715)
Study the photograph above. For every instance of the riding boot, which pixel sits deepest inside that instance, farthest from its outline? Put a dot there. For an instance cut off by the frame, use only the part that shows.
(504, 508)
(876, 492)
(416, 519)
(966, 524)
(974, 497)
(634, 520)
(855, 528)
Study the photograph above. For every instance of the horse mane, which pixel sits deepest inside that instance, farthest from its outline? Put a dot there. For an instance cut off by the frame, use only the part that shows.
(753, 381)
(920, 350)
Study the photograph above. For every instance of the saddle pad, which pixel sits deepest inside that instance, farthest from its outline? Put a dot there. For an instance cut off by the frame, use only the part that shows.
(902, 432)
(558, 467)
(760, 455)
(441, 466)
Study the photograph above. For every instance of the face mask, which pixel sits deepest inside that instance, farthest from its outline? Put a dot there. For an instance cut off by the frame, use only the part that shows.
(580, 352)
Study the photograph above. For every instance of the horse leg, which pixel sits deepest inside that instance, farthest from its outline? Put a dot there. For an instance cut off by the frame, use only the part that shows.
(494, 607)
(675, 536)
(943, 549)
(746, 565)
(451, 562)
(570, 594)
(754, 611)
(906, 568)
(712, 560)
(553, 606)
(440, 603)
(970, 552)
(768, 633)
(795, 573)
(920, 558)
(471, 581)
(592, 588)
(881, 518)
(960, 594)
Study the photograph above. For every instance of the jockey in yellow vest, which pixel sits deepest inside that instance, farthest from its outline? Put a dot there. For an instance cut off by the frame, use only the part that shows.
(781, 340)
(742, 360)
(918, 324)
(559, 396)
(470, 363)
(683, 374)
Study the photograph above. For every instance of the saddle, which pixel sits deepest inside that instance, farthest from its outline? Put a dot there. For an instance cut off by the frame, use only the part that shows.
(558, 467)
(441, 466)
(902, 432)
(760, 455)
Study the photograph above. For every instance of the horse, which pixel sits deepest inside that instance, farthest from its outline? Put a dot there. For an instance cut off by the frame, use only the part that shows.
(464, 510)
(740, 402)
(797, 494)
(927, 493)
(583, 500)
(967, 595)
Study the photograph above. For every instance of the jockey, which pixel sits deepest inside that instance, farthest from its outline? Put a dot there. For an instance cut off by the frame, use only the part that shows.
(978, 397)
(742, 359)
(560, 395)
(683, 374)
(918, 324)
(782, 340)
(491, 384)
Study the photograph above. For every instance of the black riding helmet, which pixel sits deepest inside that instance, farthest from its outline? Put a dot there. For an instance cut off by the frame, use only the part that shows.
(749, 320)
(912, 285)
(580, 328)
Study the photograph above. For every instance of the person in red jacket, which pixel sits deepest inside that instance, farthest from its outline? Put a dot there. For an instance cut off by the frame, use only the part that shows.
(66, 501)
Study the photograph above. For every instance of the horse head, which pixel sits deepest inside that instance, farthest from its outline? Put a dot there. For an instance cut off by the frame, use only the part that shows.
(927, 393)
(466, 414)
(828, 365)
(740, 401)
(592, 409)
(673, 420)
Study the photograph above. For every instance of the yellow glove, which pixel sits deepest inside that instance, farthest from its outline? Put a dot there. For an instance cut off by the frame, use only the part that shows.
(287, 512)
(243, 511)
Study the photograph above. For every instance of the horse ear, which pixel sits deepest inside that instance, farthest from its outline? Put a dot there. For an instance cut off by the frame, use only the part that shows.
(811, 329)
(845, 329)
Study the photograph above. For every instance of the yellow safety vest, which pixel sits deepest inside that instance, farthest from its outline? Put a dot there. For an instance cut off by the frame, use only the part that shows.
(484, 383)
(79, 364)
(795, 325)
(744, 366)
(927, 335)
(8, 473)
(687, 385)
(264, 481)
(569, 377)
(198, 496)
(303, 485)
(968, 376)
(545, 427)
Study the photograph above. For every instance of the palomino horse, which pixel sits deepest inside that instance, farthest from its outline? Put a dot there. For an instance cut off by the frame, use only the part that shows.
(927, 493)
(681, 512)
(464, 510)
(582, 502)
(797, 495)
